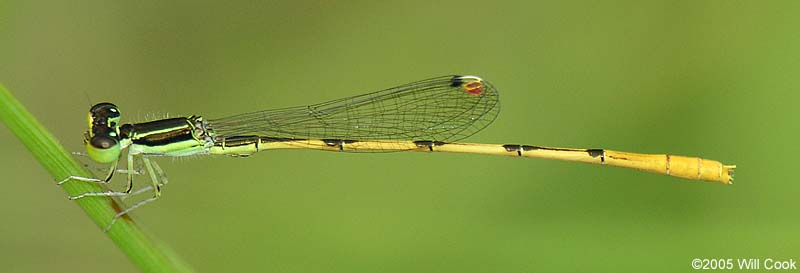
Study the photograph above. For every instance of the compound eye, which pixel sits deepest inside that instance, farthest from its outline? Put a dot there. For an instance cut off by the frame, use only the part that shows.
(103, 142)
(103, 149)
(103, 113)
(102, 106)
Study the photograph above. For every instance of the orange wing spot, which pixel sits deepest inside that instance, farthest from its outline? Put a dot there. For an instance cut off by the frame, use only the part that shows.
(473, 88)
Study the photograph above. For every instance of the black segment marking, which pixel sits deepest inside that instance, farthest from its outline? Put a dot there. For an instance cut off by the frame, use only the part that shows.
(524, 148)
(338, 142)
(514, 148)
(429, 144)
(334, 142)
(280, 139)
(597, 152)
(423, 143)
(236, 141)
(331, 142)
(531, 148)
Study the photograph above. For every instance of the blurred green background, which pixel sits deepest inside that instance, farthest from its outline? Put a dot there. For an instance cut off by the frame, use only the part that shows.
(716, 79)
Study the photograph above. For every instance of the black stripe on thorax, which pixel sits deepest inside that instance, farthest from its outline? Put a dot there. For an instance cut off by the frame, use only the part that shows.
(159, 132)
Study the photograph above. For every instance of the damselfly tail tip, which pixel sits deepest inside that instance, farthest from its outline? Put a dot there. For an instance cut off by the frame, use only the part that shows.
(730, 169)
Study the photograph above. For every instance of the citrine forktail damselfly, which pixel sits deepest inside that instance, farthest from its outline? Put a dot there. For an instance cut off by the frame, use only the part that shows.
(422, 116)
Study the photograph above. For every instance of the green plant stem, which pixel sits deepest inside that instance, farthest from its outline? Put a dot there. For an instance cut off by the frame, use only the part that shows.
(144, 252)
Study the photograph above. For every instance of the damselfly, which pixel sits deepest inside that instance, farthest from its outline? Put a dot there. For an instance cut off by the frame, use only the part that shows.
(422, 116)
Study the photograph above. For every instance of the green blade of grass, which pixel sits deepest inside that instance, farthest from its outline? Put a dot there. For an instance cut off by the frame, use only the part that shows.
(146, 253)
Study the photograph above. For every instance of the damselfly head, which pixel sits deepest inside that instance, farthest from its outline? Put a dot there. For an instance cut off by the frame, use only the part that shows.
(102, 138)
(103, 115)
